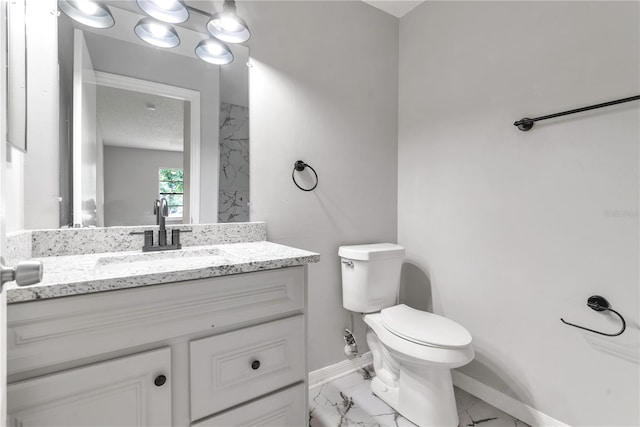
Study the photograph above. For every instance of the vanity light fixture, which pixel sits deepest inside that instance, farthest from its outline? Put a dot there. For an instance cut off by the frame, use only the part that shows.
(157, 33)
(87, 12)
(227, 25)
(213, 51)
(171, 11)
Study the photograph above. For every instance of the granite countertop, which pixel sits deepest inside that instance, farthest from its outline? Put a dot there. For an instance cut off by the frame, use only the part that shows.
(97, 272)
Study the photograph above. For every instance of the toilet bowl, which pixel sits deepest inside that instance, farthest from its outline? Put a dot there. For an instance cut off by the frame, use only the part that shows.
(413, 375)
(413, 350)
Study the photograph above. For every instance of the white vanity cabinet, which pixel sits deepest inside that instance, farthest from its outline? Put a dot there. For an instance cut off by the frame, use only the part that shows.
(180, 354)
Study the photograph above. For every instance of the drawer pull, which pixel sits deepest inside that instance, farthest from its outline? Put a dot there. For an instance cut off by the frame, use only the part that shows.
(160, 380)
(255, 364)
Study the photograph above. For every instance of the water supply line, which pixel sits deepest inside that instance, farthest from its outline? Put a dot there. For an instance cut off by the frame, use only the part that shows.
(351, 346)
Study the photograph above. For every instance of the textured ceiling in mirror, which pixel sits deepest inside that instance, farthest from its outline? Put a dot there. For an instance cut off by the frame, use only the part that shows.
(140, 120)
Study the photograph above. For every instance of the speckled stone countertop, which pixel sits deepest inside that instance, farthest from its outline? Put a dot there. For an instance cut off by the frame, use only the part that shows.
(98, 272)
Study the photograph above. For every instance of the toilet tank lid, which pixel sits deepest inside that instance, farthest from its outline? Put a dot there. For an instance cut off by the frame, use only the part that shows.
(424, 328)
(371, 252)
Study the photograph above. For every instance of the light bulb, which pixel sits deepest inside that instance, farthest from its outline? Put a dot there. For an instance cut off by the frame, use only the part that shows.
(158, 30)
(165, 4)
(214, 51)
(228, 23)
(88, 7)
(170, 11)
(87, 12)
(228, 27)
(214, 48)
(157, 33)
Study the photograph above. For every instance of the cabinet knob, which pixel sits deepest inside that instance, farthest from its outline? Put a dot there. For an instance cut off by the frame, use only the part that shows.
(160, 380)
(255, 364)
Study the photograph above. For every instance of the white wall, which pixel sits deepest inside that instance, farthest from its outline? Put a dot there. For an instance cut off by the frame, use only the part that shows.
(323, 90)
(41, 182)
(131, 183)
(512, 230)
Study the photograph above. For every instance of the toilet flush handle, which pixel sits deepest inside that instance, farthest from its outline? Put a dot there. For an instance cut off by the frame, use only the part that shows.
(348, 263)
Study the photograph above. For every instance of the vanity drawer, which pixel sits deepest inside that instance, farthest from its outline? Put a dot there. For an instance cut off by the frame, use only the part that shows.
(56, 331)
(286, 408)
(235, 367)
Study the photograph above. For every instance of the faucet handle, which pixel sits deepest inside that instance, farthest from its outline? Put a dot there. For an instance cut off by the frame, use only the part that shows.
(156, 207)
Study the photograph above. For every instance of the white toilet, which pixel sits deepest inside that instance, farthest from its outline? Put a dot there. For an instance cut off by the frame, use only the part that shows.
(413, 351)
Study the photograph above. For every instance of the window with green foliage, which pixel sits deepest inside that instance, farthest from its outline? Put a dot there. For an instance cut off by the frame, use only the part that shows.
(172, 188)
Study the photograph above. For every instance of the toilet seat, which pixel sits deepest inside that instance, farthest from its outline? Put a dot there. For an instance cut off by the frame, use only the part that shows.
(412, 352)
(424, 328)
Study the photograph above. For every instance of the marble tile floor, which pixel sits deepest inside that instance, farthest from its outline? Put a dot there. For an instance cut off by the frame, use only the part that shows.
(348, 402)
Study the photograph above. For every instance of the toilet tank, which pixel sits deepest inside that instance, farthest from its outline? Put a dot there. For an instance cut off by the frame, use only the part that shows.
(370, 276)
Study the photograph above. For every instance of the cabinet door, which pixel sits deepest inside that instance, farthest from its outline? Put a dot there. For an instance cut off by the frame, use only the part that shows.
(123, 392)
(282, 409)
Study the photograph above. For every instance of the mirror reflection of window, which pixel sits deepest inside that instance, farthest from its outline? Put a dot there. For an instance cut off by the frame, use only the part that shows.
(171, 187)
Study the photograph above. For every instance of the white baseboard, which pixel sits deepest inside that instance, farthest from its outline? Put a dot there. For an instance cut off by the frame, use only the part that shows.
(505, 403)
(331, 372)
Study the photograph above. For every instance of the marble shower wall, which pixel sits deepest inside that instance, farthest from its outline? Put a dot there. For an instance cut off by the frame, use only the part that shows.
(234, 164)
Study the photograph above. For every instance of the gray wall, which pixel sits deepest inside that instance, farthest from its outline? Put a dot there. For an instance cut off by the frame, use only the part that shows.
(328, 97)
(508, 231)
(131, 183)
(117, 57)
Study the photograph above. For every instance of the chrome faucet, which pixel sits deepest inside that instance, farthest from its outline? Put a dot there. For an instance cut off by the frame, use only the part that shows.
(159, 211)
(162, 212)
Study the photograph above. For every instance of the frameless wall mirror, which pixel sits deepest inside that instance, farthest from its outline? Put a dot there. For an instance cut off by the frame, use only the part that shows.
(137, 122)
(16, 108)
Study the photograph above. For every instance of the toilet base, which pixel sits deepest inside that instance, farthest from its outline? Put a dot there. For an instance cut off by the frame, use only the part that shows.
(414, 379)
(424, 398)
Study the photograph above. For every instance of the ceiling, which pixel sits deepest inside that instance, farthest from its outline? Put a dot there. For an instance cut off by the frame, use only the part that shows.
(140, 120)
(397, 8)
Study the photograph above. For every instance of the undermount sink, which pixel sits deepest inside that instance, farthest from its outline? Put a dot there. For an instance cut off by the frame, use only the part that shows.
(149, 259)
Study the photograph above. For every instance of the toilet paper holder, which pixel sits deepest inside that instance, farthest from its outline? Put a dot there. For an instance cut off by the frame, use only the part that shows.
(599, 303)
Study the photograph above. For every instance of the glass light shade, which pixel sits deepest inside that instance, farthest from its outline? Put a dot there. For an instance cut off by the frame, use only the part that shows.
(157, 33)
(171, 11)
(87, 12)
(214, 52)
(228, 27)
